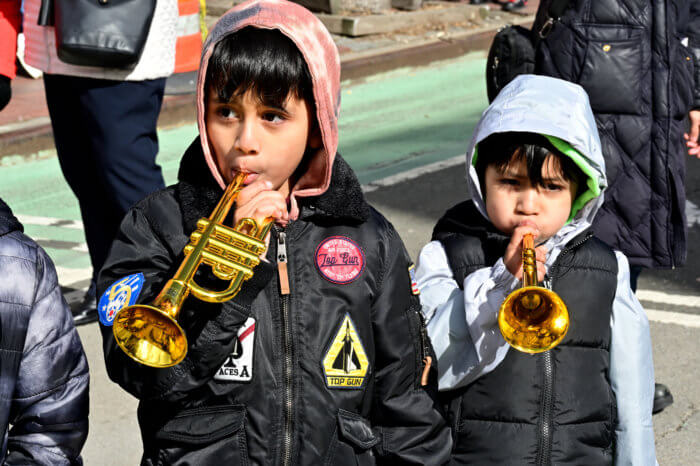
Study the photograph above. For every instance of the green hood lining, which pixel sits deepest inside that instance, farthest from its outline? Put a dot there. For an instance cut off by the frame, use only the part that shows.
(567, 149)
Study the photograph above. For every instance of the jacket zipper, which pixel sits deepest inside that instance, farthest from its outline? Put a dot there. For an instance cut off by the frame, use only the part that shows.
(287, 344)
(547, 401)
(567, 250)
(545, 443)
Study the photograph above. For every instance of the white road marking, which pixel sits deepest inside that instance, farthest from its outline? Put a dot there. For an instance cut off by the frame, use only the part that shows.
(69, 277)
(678, 318)
(692, 213)
(668, 298)
(50, 221)
(79, 247)
(414, 173)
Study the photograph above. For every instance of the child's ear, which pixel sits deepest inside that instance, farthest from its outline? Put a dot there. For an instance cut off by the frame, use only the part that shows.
(315, 139)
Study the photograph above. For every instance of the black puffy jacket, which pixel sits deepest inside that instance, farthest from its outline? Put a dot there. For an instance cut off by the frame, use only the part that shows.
(44, 378)
(291, 402)
(642, 81)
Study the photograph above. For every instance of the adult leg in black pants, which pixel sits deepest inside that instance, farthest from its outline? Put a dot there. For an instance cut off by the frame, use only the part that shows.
(662, 395)
(105, 135)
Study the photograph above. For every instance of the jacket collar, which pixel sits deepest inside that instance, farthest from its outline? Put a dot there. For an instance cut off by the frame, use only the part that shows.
(198, 193)
(464, 218)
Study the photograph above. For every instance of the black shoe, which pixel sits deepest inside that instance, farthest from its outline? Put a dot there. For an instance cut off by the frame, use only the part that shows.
(87, 312)
(662, 398)
(514, 6)
(477, 2)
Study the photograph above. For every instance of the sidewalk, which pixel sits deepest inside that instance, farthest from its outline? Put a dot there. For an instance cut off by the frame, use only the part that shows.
(25, 131)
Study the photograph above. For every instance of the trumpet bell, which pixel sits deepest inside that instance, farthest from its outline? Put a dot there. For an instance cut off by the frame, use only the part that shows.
(150, 336)
(533, 319)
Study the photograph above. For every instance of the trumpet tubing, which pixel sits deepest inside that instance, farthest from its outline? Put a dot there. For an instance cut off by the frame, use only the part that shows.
(150, 334)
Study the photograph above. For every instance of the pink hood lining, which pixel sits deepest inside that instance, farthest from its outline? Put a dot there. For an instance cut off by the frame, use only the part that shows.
(321, 56)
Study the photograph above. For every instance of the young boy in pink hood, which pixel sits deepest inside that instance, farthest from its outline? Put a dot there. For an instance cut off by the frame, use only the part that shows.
(319, 359)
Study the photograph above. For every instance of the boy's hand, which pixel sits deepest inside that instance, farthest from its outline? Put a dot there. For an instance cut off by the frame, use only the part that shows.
(513, 257)
(258, 201)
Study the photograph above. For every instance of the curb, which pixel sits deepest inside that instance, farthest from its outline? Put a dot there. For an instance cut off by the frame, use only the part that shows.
(23, 141)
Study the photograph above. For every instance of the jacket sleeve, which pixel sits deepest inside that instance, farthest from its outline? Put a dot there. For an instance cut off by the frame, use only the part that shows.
(9, 28)
(631, 374)
(693, 33)
(49, 413)
(138, 248)
(412, 428)
(463, 324)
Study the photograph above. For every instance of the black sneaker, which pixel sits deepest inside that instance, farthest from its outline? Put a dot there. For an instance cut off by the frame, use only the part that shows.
(514, 6)
(662, 398)
(477, 2)
(87, 311)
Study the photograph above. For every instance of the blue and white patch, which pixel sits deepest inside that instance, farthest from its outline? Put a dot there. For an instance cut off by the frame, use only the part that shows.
(123, 292)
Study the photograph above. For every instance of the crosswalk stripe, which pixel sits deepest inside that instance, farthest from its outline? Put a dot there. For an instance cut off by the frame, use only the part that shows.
(660, 297)
(68, 276)
(63, 245)
(50, 221)
(678, 318)
(692, 212)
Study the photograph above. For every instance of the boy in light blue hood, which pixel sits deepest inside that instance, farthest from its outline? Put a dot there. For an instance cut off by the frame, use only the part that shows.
(535, 167)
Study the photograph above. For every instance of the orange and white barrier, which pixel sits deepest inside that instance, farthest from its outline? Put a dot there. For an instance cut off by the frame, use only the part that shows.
(188, 47)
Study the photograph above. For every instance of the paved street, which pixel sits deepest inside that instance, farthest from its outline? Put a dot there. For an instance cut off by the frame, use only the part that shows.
(403, 132)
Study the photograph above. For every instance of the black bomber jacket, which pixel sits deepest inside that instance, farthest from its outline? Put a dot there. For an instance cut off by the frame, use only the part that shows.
(327, 374)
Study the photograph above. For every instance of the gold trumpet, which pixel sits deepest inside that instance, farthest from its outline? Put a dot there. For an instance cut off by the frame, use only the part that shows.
(532, 319)
(150, 334)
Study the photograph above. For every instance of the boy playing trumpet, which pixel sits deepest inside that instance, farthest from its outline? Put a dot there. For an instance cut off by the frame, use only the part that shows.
(318, 358)
(535, 167)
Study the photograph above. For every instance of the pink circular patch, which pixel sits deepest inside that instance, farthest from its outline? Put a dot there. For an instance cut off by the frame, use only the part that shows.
(339, 259)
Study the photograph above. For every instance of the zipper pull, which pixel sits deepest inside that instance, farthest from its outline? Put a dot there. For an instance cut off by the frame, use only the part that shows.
(282, 263)
(427, 360)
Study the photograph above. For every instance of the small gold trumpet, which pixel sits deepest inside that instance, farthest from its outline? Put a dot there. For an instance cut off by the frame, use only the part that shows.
(150, 334)
(532, 318)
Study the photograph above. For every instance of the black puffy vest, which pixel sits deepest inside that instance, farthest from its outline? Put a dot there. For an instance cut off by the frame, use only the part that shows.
(555, 407)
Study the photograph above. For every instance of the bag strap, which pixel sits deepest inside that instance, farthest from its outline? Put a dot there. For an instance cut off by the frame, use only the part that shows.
(45, 17)
(554, 12)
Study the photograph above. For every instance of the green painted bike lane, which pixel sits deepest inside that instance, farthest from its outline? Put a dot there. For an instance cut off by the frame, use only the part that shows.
(390, 123)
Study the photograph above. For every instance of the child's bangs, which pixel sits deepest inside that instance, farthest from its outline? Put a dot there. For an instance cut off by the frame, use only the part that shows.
(506, 149)
(262, 61)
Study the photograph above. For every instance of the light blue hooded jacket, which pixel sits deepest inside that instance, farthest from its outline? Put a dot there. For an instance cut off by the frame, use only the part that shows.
(463, 325)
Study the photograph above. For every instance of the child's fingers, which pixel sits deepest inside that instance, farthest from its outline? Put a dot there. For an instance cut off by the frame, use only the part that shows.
(513, 255)
(541, 271)
(249, 192)
(265, 204)
(541, 254)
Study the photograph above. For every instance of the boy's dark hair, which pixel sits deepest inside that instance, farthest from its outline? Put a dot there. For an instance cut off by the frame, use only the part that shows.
(501, 149)
(263, 61)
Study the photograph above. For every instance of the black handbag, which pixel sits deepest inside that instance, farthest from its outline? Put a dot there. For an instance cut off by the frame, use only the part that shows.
(105, 33)
(512, 51)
